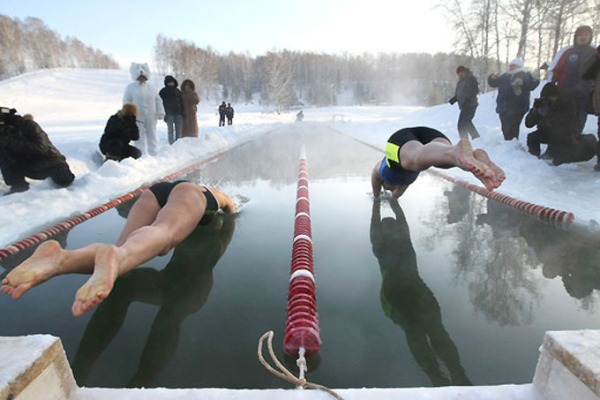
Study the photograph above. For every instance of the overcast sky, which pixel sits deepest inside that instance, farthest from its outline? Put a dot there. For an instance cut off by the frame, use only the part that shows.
(127, 30)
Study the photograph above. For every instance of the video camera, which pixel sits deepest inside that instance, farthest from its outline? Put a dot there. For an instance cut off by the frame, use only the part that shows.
(8, 116)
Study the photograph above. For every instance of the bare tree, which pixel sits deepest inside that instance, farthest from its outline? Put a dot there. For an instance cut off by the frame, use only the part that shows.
(279, 76)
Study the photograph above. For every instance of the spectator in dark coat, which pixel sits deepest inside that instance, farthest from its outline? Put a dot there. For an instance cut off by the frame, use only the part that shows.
(173, 104)
(222, 109)
(592, 71)
(26, 152)
(556, 118)
(121, 129)
(512, 102)
(467, 89)
(229, 114)
(567, 69)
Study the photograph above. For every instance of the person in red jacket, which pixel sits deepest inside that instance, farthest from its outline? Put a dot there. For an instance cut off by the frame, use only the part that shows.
(566, 71)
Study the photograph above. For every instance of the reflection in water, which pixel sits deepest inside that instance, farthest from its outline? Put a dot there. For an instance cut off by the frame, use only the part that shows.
(408, 301)
(180, 289)
(574, 259)
(274, 158)
(491, 259)
(458, 203)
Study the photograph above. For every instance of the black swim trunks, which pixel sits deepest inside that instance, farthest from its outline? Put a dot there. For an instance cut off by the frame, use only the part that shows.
(162, 190)
(391, 170)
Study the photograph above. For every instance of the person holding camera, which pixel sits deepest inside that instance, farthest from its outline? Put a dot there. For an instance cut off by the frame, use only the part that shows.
(512, 102)
(121, 128)
(557, 124)
(26, 152)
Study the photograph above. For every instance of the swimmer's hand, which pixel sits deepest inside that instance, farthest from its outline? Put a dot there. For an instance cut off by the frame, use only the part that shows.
(239, 201)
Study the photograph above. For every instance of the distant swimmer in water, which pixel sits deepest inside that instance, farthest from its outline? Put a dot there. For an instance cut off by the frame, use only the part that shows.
(163, 216)
(412, 150)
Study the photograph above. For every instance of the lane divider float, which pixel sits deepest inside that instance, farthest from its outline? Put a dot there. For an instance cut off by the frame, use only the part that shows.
(564, 220)
(73, 221)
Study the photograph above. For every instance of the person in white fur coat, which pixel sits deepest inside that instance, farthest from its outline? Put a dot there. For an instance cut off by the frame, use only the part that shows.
(150, 108)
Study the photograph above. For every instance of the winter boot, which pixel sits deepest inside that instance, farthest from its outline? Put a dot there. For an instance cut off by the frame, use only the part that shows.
(18, 188)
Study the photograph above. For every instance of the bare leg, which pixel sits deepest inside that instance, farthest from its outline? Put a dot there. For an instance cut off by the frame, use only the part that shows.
(100, 283)
(416, 156)
(174, 222)
(466, 161)
(47, 261)
(482, 156)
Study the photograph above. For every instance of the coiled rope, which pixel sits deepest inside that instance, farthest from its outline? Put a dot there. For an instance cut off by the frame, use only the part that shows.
(283, 372)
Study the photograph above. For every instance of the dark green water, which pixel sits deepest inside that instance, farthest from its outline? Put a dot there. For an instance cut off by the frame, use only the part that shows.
(443, 288)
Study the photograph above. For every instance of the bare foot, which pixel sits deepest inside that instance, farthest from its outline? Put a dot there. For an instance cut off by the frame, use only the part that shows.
(466, 161)
(481, 155)
(100, 283)
(43, 264)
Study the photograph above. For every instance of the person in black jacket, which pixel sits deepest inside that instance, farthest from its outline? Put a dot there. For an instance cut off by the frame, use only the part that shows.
(173, 104)
(466, 92)
(26, 151)
(121, 128)
(557, 124)
(229, 114)
(222, 109)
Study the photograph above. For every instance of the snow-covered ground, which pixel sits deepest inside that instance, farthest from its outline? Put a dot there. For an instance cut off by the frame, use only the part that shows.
(73, 105)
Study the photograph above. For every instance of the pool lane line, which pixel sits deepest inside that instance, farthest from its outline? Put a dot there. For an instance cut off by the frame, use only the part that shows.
(73, 221)
(302, 333)
(564, 220)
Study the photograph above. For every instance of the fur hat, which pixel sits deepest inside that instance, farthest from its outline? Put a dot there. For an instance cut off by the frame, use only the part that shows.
(138, 69)
(517, 62)
(549, 89)
(188, 82)
(129, 109)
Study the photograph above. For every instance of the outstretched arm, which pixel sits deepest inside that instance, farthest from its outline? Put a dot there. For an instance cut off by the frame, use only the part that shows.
(225, 202)
(376, 181)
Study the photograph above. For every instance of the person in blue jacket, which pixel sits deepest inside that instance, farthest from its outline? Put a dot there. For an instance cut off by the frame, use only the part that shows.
(514, 95)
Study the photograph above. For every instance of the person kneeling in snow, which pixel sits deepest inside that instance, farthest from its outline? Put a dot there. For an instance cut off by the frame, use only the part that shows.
(412, 150)
(558, 127)
(121, 129)
(26, 152)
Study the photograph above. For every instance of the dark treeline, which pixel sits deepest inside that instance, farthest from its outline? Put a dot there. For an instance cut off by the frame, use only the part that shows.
(488, 33)
(30, 45)
(286, 79)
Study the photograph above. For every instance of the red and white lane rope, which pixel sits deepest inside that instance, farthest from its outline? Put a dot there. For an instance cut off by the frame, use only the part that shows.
(302, 338)
(71, 222)
(561, 219)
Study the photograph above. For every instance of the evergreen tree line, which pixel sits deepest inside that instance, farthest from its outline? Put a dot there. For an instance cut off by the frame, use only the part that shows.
(287, 79)
(489, 33)
(30, 45)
